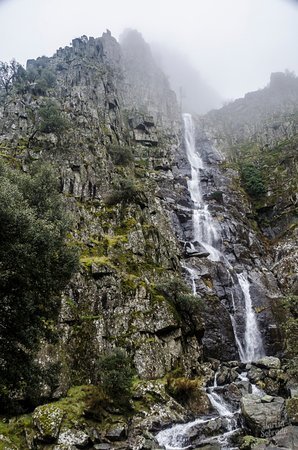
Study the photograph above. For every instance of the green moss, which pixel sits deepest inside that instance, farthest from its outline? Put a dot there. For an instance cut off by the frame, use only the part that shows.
(14, 432)
(87, 261)
(74, 404)
(250, 442)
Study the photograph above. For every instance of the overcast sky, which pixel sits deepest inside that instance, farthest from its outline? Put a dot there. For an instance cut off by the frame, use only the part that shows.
(235, 44)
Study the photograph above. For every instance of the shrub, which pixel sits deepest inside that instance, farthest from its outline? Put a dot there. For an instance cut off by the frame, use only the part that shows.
(187, 305)
(115, 375)
(183, 389)
(125, 191)
(52, 120)
(252, 179)
(121, 155)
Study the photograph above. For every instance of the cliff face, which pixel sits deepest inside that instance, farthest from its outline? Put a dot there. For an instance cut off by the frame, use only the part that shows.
(117, 159)
(124, 172)
(106, 119)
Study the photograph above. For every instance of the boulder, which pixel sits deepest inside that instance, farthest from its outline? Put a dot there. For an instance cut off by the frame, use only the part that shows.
(117, 432)
(251, 442)
(227, 376)
(75, 438)
(286, 438)
(263, 418)
(255, 374)
(47, 419)
(268, 362)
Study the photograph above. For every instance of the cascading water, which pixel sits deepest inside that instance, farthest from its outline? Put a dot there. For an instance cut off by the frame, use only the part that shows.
(249, 344)
(204, 228)
(253, 341)
(206, 233)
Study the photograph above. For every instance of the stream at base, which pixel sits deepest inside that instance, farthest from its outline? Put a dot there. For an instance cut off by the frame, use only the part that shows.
(218, 428)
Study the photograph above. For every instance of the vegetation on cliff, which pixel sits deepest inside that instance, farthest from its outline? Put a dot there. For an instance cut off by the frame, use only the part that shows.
(36, 263)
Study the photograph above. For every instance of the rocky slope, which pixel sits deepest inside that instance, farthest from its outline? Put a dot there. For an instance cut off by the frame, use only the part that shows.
(120, 154)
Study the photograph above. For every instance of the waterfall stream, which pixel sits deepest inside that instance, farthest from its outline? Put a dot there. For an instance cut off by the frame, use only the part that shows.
(206, 233)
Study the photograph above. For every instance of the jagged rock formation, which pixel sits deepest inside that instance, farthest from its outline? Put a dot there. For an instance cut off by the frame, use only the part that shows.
(121, 160)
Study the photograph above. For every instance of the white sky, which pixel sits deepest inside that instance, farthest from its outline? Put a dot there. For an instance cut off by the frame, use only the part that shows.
(235, 44)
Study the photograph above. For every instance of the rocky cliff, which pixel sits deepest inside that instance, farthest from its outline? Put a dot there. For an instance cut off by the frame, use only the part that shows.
(105, 117)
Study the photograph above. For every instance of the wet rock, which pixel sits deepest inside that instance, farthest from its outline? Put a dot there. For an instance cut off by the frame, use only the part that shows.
(268, 362)
(233, 392)
(209, 428)
(196, 250)
(263, 418)
(47, 419)
(117, 432)
(255, 374)
(227, 376)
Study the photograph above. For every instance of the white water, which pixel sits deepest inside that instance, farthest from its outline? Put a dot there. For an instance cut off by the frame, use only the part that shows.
(217, 401)
(250, 345)
(255, 390)
(193, 277)
(174, 438)
(252, 338)
(205, 231)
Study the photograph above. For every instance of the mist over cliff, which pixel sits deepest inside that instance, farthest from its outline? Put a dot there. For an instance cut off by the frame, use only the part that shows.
(194, 94)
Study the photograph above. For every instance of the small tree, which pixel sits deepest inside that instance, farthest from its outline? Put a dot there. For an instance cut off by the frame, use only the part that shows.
(10, 73)
(121, 155)
(115, 374)
(125, 191)
(52, 120)
(253, 180)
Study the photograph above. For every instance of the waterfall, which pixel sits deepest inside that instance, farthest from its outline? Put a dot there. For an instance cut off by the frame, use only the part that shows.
(252, 336)
(206, 233)
(204, 229)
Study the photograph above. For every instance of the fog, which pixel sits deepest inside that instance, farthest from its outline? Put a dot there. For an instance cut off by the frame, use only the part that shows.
(221, 48)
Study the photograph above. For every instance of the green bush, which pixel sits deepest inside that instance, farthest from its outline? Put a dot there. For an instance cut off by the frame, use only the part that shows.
(52, 120)
(252, 179)
(179, 294)
(115, 375)
(121, 155)
(125, 191)
(183, 389)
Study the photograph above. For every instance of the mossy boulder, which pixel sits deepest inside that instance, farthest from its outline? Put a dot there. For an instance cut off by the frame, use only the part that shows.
(47, 419)
(251, 442)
